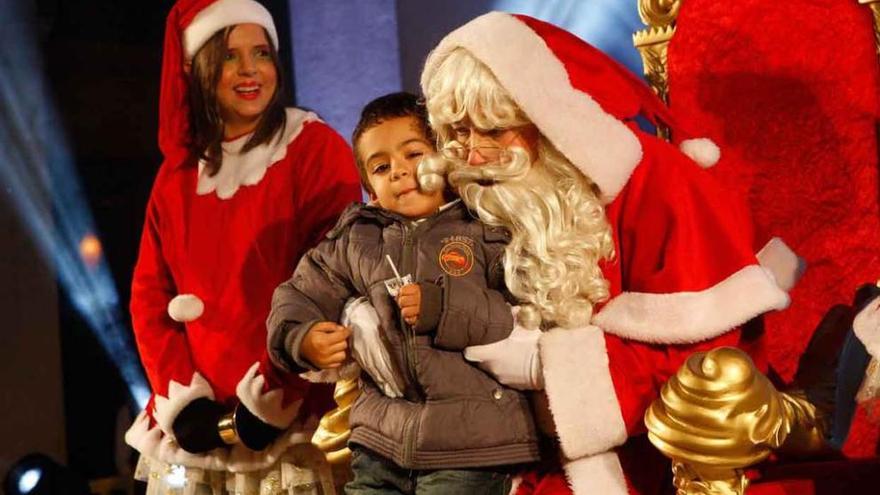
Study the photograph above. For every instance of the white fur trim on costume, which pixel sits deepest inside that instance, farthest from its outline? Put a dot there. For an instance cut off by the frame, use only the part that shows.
(247, 169)
(688, 317)
(866, 326)
(166, 409)
(704, 151)
(221, 14)
(185, 307)
(600, 473)
(580, 391)
(153, 443)
(265, 405)
(785, 265)
(347, 371)
(598, 144)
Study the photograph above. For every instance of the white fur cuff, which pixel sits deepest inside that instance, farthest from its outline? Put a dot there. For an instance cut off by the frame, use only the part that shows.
(265, 405)
(785, 265)
(580, 391)
(687, 317)
(600, 473)
(166, 409)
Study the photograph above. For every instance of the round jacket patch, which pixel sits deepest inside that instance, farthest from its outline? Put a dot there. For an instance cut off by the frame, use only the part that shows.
(456, 259)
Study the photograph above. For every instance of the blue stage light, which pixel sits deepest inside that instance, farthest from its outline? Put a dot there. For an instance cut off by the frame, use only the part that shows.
(36, 169)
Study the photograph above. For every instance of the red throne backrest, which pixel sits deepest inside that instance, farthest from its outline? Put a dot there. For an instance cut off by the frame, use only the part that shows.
(789, 91)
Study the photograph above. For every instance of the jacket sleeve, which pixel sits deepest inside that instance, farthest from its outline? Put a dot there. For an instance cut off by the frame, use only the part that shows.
(688, 281)
(468, 314)
(161, 341)
(317, 292)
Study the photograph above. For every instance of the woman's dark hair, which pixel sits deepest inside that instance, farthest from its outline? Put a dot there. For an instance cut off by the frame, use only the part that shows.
(206, 124)
(390, 106)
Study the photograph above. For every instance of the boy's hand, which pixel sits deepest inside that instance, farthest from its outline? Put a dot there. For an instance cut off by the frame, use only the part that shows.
(325, 344)
(410, 301)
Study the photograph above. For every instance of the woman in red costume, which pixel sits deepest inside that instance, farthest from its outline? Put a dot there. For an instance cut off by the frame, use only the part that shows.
(247, 186)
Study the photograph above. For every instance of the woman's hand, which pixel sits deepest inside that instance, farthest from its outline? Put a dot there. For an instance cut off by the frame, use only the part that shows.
(195, 427)
(325, 345)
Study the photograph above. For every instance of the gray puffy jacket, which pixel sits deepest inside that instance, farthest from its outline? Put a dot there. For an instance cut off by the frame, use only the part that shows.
(452, 415)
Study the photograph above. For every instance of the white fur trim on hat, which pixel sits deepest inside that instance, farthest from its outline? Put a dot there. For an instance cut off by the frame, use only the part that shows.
(602, 147)
(687, 317)
(582, 399)
(221, 14)
(185, 307)
(704, 151)
(600, 473)
(266, 405)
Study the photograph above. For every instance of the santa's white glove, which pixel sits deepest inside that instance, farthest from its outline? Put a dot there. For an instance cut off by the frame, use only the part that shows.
(367, 347)
(867, 327)
(514, 361)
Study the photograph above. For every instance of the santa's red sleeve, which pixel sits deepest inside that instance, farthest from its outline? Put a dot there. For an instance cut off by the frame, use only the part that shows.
(161, 341)
(327, 182)
(684, 278)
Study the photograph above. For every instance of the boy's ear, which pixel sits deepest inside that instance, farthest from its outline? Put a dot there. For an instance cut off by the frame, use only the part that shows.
(187, 66)
(373, 197)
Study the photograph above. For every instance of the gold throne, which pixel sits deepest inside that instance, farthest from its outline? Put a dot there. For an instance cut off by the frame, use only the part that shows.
(718, 416)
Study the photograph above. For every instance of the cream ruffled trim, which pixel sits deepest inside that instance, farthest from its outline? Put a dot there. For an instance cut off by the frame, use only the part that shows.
(248, 169)
(302, 469)
(152, 442)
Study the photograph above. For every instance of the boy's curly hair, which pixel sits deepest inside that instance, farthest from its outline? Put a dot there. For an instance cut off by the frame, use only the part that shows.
(390, 106)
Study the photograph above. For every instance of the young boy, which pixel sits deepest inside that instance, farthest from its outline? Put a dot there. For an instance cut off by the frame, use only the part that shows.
(455, 430)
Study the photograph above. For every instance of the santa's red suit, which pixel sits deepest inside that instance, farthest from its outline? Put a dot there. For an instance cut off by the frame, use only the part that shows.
(214, 248)
(684, 277)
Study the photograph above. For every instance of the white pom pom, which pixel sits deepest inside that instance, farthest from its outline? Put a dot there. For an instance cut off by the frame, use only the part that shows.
(432, 173)
(701, 150)
(185, 307)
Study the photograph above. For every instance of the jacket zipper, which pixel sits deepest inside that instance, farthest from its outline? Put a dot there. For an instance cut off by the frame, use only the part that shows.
(410, 351)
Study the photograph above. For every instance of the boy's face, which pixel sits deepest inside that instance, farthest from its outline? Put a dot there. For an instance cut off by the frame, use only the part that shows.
(391, 152)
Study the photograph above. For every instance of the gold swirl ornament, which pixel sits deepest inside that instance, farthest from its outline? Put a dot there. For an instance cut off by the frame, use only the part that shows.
(718, 415)
(658, 12)
(333, 431)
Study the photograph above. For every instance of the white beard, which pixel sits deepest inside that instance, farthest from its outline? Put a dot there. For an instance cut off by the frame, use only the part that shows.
(558, 233)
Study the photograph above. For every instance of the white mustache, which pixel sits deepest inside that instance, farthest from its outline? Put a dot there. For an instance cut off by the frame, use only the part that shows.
(436, 170)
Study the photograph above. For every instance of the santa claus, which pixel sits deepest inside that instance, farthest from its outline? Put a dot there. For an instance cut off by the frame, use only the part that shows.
(624, 251)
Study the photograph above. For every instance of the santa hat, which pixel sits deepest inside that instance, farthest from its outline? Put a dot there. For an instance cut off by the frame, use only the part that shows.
(188, 26)
(581, 100)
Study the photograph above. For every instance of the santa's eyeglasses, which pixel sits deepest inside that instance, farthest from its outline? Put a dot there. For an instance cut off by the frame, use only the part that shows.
(488, 153)
(492, 145)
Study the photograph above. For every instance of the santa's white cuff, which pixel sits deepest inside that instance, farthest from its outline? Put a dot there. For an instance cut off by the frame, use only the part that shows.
(166, 409)
(600, 473)
(580, 391)
(266, 405)
(693, 316)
